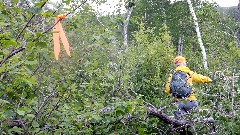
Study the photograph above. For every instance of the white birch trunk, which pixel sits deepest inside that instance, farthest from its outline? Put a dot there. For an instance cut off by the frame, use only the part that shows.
(198, 34)
(125, 31)
(180, 45)
(233, 93)
(180, 40)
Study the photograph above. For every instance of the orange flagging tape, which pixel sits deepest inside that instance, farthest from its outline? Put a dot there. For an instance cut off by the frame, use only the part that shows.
(58, 33)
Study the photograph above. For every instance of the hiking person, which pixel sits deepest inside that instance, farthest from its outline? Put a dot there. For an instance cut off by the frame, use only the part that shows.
(179, 85)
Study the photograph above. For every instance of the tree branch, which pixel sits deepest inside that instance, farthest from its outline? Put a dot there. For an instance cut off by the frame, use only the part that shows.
(167, 119)
(12, 123)
(12, 53)
(179, 124)
(15, 51)
(66, 15)
(29, 22)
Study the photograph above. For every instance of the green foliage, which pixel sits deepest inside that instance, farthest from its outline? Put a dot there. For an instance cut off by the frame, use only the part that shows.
(148, 61)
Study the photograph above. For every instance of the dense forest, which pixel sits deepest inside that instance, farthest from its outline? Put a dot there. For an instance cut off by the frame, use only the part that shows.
(113, 81)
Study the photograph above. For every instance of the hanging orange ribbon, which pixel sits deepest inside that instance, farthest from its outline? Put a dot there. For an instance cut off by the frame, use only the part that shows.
(58, 32)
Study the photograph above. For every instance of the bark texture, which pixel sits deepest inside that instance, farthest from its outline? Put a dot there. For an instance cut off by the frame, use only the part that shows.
(198, 34)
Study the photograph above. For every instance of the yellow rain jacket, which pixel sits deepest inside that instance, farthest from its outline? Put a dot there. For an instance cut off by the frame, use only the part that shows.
(193, 77)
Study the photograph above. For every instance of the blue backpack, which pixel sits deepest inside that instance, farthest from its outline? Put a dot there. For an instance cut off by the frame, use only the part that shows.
(178, 85)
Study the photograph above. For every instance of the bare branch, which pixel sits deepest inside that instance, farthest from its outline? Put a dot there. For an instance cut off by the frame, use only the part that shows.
(29, 22)
(45, 101)
(12, 53)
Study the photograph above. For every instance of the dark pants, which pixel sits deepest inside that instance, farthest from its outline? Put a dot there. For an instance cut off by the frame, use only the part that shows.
(184, 107)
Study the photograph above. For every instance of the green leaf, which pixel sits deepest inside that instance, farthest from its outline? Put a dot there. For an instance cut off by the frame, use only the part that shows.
(30, 116)
(21, 112)
(39, 34)
(2, 24)
(108, 118)
(14, 65)
(10, 43)
(28, 81)
(38, 4)
(66, 1)
(31, 62)
(36, 130)
(95, 64)
(30, 44)
(58, 132)
(35, 124)
(35, 10)
(32, 80)
(16, 9)
(9, 113)
(46, 56)
(42, 44)
(140, 130)
(73, 86)
(110, 77)
(2, 68)
(96, 117)
(15, 130)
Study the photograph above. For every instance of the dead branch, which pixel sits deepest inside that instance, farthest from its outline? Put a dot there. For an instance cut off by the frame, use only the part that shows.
(178, 125)
(167, 119)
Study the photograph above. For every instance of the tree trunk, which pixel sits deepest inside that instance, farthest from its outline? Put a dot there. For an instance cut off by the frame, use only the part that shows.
(180, 45)
(180, 40)
(198, 34)
(125, 31)
(233, 93)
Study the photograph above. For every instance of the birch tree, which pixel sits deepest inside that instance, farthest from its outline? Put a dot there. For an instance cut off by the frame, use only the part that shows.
(198, 34)
(180, 41)
(125, 34)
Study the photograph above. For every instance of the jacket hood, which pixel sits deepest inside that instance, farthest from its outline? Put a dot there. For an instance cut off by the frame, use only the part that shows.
(182, 68)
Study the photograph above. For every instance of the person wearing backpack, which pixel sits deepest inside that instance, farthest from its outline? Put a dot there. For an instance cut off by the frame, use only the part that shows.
(179, 85)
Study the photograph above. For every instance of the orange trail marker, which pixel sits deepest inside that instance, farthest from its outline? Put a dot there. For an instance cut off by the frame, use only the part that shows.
(58, 33)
